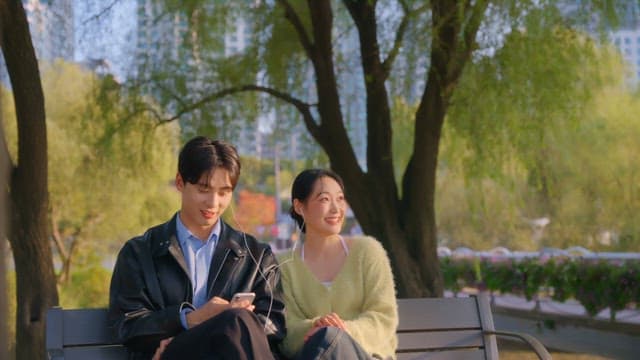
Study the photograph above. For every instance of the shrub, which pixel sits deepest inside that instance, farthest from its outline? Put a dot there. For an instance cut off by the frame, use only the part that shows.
(597, 285)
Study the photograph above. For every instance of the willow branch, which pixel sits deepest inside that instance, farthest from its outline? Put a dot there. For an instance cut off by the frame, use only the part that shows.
(402, 29)
(291, 15)
(102, 12)
(302, 107)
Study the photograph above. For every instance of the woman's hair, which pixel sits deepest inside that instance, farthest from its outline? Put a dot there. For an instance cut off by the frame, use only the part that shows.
(303, 186)
(200, 155)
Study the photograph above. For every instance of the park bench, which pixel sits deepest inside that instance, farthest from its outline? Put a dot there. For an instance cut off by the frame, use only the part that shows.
(430, 328)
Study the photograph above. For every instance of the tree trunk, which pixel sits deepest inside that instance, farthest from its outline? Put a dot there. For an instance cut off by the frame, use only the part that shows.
(35, 279)
(406, 225)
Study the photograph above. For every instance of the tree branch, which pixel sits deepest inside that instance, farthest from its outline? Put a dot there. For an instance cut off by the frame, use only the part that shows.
(477, 15)
(291, 15)
(102, 12)
(402, 28)
(301, 106)
(468, 31)
(57, 236)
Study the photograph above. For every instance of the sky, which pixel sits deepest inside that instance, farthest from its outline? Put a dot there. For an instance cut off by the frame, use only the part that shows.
(105, 29)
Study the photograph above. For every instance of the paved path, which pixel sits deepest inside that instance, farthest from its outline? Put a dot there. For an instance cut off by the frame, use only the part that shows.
(570, 307)
(567, 327)
(549, 306)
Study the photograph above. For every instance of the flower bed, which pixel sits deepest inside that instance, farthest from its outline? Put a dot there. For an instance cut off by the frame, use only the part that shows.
(596, 284)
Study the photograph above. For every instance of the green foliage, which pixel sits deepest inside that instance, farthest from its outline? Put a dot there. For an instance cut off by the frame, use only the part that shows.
(110, 173)
(554, 111)
(105, 168)
(457, 274)
(402, 125)
(89, 284)
(537, 112)
(597, 285)
(501, 276)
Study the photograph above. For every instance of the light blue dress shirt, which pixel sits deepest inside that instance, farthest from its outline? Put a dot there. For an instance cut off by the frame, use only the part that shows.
(197, 255)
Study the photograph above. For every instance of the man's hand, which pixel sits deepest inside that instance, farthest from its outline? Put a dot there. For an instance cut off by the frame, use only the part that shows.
(246, 304)
(212, 308)
(163, 345)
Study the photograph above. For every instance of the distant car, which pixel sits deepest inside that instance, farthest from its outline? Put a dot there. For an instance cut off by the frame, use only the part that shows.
(578, 251)
(463, 252)
(444, 251)
(500, 250)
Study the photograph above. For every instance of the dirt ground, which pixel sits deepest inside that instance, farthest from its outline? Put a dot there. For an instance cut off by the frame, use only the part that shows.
(513, 351)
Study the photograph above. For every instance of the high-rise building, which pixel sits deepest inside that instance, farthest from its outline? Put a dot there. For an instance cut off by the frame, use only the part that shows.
(104, 34)
(624, 33)
(158, 37)
(628, 43)
(160, 42)
(52, 31)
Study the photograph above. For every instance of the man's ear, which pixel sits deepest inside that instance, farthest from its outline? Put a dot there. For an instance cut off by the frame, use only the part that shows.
(179, 182)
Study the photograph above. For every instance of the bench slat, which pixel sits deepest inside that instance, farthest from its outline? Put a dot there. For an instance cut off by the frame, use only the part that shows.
(424, 341)
(115, 352)
(472, 354)
(443, 313)
(80, 327)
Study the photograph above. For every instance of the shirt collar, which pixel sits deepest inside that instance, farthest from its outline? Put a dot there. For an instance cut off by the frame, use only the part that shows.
(185, 234)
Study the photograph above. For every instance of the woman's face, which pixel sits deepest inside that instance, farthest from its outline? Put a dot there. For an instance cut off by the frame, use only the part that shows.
(324, 209)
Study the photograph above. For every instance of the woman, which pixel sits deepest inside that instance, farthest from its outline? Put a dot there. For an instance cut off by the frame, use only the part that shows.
(338, 291)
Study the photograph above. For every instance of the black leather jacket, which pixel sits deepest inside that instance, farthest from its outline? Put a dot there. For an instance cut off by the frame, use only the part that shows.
(150, 285)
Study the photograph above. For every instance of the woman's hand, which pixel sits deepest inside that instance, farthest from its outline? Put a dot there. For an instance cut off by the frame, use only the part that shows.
(311, 332)
(331, 319)
(163, 345)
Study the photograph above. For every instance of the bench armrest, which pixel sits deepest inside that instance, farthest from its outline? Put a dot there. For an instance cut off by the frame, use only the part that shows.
(534, 343)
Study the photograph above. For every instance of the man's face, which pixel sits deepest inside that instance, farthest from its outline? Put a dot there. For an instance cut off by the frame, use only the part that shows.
(204, 202)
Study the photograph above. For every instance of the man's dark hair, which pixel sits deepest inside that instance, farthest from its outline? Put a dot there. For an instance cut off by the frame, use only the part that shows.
(303, 186)
(201, 154)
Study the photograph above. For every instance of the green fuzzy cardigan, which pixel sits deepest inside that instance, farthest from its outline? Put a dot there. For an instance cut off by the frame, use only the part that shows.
(362, 294)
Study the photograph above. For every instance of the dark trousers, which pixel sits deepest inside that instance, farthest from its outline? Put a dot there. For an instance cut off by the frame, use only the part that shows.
(233, 334)
(331, 343)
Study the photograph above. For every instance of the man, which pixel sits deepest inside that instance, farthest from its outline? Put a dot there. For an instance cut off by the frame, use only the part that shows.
(171, 287)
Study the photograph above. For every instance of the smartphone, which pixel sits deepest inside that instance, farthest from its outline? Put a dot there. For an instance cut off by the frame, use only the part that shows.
(243, 296)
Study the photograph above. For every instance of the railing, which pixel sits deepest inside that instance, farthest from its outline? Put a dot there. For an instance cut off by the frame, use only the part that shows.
(571, 252)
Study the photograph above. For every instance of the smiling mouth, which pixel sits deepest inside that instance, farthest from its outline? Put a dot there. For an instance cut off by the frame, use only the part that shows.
(208, 214)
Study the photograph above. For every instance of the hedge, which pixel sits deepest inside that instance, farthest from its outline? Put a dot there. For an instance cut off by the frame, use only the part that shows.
(596, 284)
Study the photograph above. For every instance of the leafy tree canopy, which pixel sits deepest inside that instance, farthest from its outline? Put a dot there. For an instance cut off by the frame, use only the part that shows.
(109, 178)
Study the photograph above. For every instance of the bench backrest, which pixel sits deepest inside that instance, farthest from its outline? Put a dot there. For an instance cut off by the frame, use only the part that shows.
(433, 328)
(445, 328)
(80, 334)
